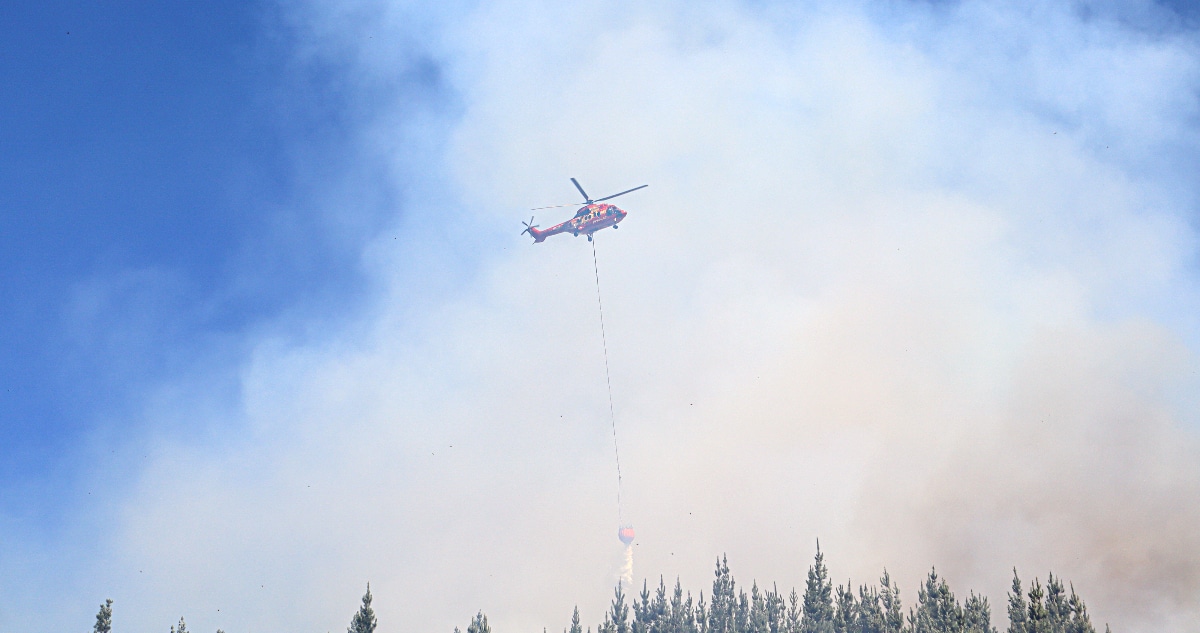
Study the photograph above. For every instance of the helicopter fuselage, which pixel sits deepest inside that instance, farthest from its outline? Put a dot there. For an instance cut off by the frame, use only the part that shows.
(589, 219)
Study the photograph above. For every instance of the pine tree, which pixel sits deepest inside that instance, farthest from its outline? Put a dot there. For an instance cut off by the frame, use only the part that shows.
(654, 615)
(818, 598)
(576, 627)
(619, 615)
(642, 616)
(795, 614)
(607, 626)
(845, 614)
(681, 614)
(1058, 614)
(1079, 620)
(937, 610)
(479, 623)
(692, 617)
(977, 615)
(1038, 616)
(759, 617)
(104, 618)
(660, 610)
(364, 621)
(870, 617)
(889, 601)
(723, 603)
(1018, 611)
(182, 627)
(741, 613)
(776, 612)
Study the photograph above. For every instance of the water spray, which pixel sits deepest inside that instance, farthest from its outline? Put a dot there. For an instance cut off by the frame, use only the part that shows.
(625, 533)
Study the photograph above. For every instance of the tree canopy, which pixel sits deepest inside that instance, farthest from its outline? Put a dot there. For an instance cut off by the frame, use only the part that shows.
(826, 608)
(364, 621)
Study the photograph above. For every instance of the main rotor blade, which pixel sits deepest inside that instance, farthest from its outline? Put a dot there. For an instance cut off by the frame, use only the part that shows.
(585, 196)
(555, 206)
(621, 194)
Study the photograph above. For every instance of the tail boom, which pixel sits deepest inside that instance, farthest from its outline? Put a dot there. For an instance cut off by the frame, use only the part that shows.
(541, 235)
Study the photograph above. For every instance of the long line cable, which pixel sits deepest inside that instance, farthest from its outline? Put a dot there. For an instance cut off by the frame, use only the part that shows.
(612, 416)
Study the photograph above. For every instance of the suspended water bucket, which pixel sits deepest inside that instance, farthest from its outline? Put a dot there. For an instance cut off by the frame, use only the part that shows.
(625, 534)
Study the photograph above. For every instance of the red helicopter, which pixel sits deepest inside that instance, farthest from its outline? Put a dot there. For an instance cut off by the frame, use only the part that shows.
(592, 217)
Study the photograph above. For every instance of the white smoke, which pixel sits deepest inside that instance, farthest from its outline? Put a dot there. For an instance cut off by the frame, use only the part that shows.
(908, 277)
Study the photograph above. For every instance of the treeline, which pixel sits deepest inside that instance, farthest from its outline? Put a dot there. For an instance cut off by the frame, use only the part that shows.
(1054, 608)
(364, 620)
(828, 609)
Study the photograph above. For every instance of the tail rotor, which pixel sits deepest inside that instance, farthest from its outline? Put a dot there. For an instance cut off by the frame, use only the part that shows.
(529, 226)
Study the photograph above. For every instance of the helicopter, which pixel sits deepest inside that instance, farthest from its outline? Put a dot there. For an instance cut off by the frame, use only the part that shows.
(591, 217)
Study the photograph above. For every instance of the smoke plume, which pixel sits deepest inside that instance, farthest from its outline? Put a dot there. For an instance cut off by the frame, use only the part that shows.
(918, 279)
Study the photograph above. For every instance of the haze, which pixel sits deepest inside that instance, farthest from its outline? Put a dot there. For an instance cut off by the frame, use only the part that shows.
(915, 279)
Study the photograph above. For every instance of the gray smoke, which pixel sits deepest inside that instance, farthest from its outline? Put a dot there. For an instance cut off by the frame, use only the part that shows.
(916, 280)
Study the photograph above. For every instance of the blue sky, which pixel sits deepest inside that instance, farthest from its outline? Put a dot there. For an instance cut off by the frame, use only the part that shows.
(158, 171)
(125, 129)
(269, 330)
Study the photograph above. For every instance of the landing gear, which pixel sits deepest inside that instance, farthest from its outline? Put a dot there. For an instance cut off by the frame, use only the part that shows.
(589, 237)
(615, 227)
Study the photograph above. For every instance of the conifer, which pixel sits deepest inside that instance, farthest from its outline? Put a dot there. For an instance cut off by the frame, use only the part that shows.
(723, 602)
(741, 614)
(776, 612)
(659, 613)
(642, 618)
(795, 613)
(682, 618)
(1018, 614)
(364, 621)
(1038, 617)
(1058, 614)
(818, 598)
(977, 615)
(1079, 621)
(889, 601)
(845, 614)
(937, 610)
(104, 618)
(760, 618)
(870, 616)
(619, 612)
(479, 623)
